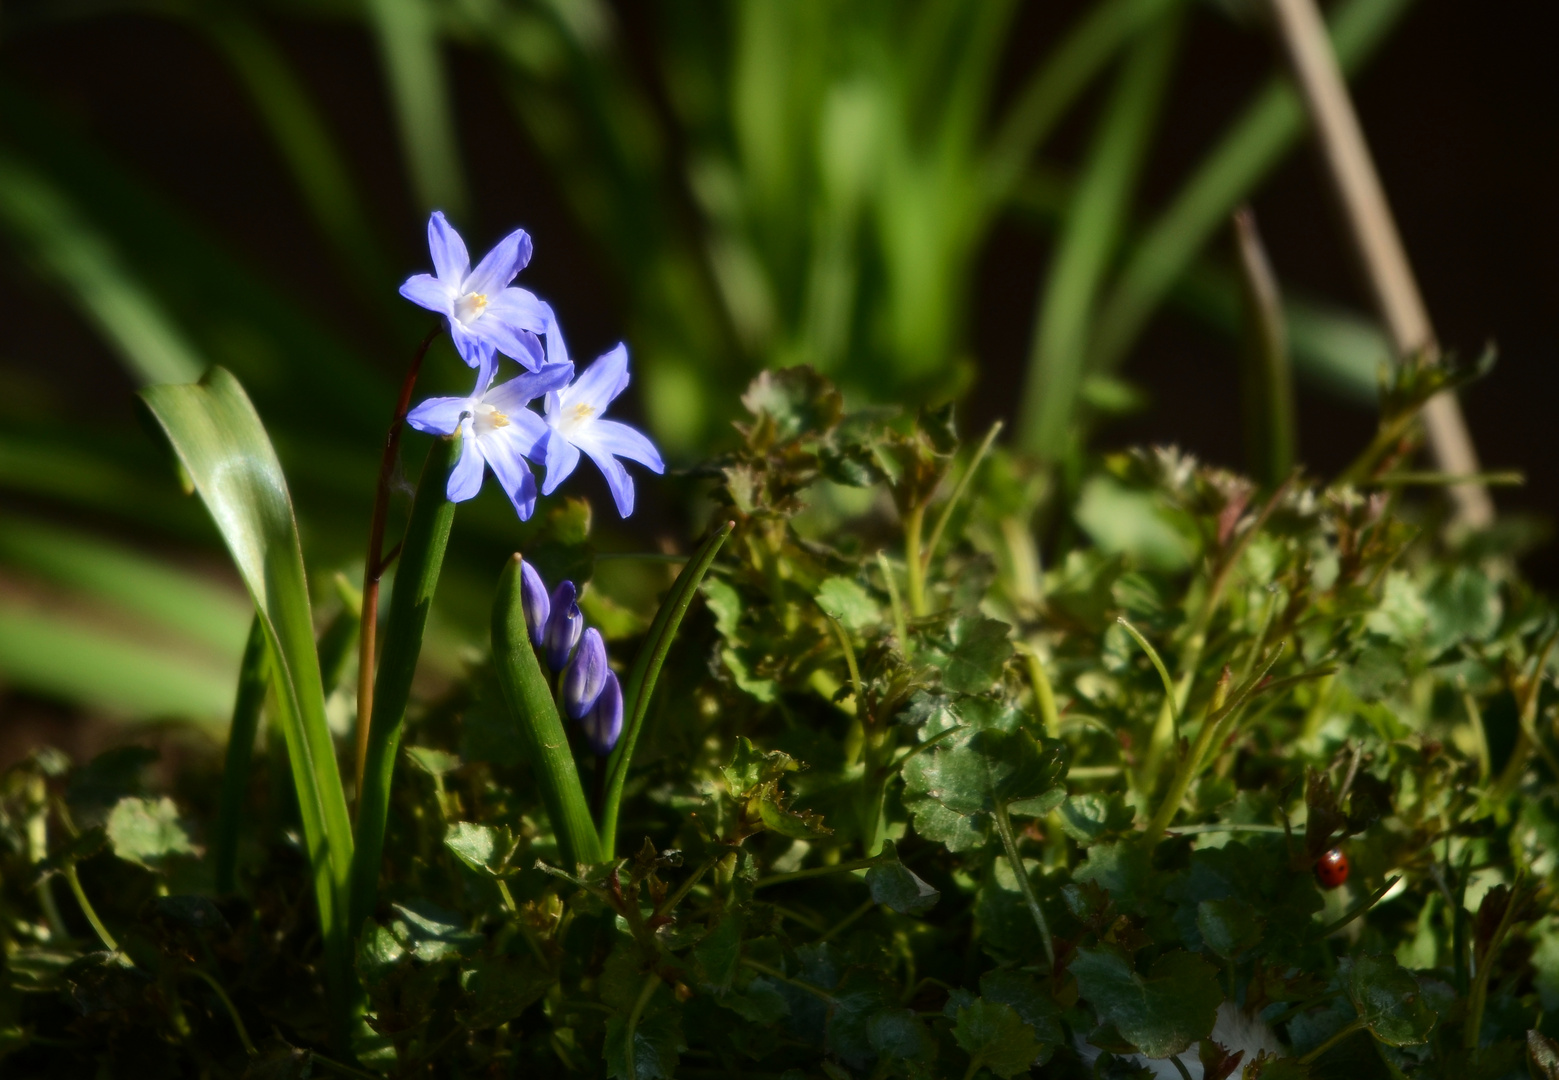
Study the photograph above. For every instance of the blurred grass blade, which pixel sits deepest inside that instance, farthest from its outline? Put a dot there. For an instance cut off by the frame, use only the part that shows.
(109, 667)
(176, 600)
(410, 49)
(253, 679)
(1270, 126)
(54, 235)
(304, 141)
(528, 695)
(1056, 83)
(223, 446)
(416, 578)
(1101, 203)
(1266, 380)
(640, 685)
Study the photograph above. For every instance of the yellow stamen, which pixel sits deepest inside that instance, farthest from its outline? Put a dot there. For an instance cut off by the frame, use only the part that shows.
(583, 411)
(498, 419)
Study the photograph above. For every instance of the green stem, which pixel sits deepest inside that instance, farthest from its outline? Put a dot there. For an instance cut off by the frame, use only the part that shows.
(1266, 381)
(253, 681)
(1478, 998)
(651, 984)
(640, 685)
(765, 969)
(1044, 693)
(87, 909)
(1010, 843)
(900, 627)
(958, 493)
(1360, 908)
(815, 871)
(914, 569)
(528, 695)
(421, 559)
(1163, 672)
(227, 1003)
(1357, 1025)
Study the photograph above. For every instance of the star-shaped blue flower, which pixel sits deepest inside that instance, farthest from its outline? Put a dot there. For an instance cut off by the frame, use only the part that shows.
(574, 423)
(496, 429)
(484, 312)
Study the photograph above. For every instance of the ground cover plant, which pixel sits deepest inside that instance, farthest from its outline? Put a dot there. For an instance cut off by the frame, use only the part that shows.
(1249, 780)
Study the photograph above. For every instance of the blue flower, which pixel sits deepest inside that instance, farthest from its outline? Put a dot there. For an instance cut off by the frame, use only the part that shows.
(574, 423)
(534, 602)
(564, 625)
(585, 675)
(495, 429)
(484, 312)
(604, 722)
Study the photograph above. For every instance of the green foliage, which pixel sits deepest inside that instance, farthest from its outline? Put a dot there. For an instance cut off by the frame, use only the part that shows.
(855, 843)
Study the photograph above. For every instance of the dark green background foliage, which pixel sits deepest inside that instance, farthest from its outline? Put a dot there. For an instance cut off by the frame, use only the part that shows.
(886, 823)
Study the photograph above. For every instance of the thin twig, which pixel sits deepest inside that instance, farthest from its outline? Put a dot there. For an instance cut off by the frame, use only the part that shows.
(1374, 231)
(374, 564)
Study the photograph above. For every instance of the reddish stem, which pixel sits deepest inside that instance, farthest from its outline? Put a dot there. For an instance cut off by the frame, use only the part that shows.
(374, 564)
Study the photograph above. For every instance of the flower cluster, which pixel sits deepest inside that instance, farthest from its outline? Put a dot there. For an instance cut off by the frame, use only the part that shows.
(590, 692)
(488, 317)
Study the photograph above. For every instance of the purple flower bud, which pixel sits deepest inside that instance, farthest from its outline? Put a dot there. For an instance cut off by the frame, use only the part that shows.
(533, 598)
(604, 722)
(586, 675)
(564, 625)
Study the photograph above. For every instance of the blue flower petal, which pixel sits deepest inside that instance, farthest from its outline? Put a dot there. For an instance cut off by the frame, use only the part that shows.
(499, 267)
(561, 458)
(504, 454)
(620, 440)
(514, 395)
(465, 479)
(429, 292)
(602, 381)
(450, 258)
(438, 416)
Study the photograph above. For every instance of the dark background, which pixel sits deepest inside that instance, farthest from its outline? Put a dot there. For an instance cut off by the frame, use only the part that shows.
(1459, 106)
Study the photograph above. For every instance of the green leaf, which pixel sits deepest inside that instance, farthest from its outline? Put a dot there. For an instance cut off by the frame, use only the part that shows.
(639, 687)
(1022, 994)
(975, 653)
(146, 832)
(845, 601)
(498, 989)
(751, 768)
(1092, 817)
(430, 933)
(778, 817)
(1388, 1000)
(378, 953)
(433, 761)
(724, 604)
(718, 955)
(1265, 1066)
(796, 400)
(970, 772)
(657, 1041)
(1228, 926)
(893, 884)
(224, 449)
(995, 1037)
(484, 848)
(899, 1035)
(1161, 1013)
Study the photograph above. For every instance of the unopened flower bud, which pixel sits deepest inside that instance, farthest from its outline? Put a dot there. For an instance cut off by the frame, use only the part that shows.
(586, 675)
(534, 601)
(604, 722)
(564, 625)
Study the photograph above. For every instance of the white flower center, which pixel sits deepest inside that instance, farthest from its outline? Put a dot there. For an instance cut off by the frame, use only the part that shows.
(469, 307)
(578, 414)
(485, 419)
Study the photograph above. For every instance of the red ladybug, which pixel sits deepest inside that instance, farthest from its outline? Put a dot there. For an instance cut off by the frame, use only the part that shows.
(1331, 870)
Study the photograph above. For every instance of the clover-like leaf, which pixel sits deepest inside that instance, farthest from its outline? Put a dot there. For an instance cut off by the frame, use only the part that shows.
(974, 653)
(846, 601)
(896, 886)
(486, 849)
(975, 770)
(995, 1037)
(1161, 1013)
(751, 767)
(147, 831)
(1228, 926)
(1388, 1000)
(1091, 817)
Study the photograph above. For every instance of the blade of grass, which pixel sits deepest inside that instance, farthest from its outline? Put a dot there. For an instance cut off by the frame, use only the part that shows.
(1088, 239)
(410, 49)
(528, 695)
(640, 685)
(1163, 672)
(253, 680)
(224, 449)
(1267, 130)
(61, 241)
(1266, 383)
(1056, 83)
(416, 578)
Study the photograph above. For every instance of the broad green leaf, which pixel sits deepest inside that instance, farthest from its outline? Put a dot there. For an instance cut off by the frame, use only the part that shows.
(1022, 995)
(430, 933)
(146, 831)
(970, 772)
(1091, 817)
(860, 995)
(718, 954)
(378, 953)
(975, 652)
(1228, 926)
(657, 1041)
(1161, 1013)
(893, 884)
(484, 848)
(996, 1037)
(845, 601)
(1388, 1000)
(778, 817)
(498, 989)
(899, 1035)
(432, 761)
(224, 449)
